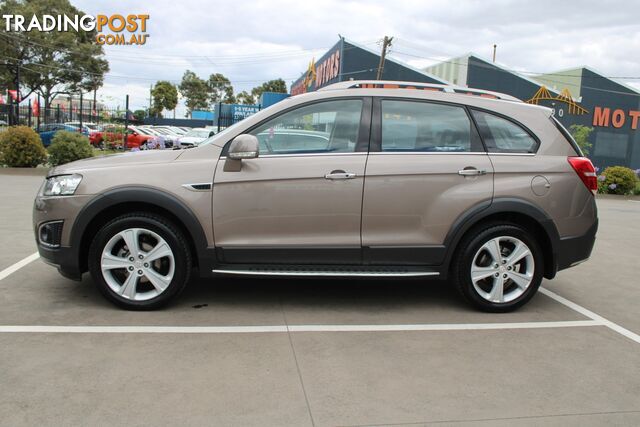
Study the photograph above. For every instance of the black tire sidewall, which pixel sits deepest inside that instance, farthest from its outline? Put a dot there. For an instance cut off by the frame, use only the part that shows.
(171, 235)
(473, 243)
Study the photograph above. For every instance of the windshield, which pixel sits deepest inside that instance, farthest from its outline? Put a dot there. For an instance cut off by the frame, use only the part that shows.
(198, 133)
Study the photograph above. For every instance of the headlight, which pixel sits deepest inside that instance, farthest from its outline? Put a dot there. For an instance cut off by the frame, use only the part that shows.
(61, 185)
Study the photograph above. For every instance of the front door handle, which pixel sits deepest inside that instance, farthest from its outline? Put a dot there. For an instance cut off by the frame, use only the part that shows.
(339, 174)
(472, 172)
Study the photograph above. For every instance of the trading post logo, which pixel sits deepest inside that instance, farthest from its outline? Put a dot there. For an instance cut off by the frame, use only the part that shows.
(122, 30)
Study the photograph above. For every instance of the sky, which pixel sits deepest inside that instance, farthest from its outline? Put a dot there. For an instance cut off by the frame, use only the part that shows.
(254, 41)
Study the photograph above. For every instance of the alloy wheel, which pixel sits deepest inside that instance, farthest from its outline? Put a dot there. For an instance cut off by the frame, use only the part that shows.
(137, 264)
(502, 269)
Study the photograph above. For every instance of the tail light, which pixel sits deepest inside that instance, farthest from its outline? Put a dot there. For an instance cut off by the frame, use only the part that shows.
(585, 170)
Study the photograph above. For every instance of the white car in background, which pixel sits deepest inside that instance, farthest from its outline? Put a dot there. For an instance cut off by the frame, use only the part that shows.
(195, 137)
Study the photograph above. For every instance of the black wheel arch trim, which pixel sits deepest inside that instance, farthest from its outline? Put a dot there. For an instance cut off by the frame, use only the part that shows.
(138, 194)
(503, 205)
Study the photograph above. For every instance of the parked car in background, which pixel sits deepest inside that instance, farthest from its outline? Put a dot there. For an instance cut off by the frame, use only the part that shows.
(170, 137)
(94, 131)
(157, 139)
(47, 131)
(173, 129)
(194, 137)
(113, 133)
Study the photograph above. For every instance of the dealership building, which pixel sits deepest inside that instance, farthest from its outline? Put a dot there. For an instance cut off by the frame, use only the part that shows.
(580, 95)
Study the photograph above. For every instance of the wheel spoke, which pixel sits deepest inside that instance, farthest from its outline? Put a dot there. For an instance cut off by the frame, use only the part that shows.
(130, 238)
(493, 247)
(479, 273)
(161, 250)
(520, 251)
(112, 262)
(497, 291)
(158, 281)
(521, 280)
(128, 289)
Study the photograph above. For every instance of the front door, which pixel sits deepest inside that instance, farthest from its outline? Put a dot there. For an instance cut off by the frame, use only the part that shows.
(300, 200)
(427, 167)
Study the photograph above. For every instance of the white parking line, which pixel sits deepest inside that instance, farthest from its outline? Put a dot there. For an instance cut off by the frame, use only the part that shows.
(590, 314)
(18, 265)
(596, 320)
(289, 328)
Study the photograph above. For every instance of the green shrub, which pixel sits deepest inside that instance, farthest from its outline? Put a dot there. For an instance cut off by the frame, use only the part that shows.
(68, 147)
(21, 147)
(617, 180)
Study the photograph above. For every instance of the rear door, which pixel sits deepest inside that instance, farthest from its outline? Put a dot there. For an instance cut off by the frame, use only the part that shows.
(300, 201)
(427, 167)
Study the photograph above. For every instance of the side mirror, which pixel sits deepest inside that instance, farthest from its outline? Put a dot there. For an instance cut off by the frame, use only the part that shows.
(244, 147)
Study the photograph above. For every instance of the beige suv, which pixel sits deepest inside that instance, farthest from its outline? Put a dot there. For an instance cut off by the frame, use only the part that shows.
(359, 179)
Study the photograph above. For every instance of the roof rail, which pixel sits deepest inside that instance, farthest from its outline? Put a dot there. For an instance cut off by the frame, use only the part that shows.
(388, 84)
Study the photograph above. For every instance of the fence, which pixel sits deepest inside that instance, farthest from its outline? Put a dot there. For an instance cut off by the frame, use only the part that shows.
(24, 115)
(69, 112)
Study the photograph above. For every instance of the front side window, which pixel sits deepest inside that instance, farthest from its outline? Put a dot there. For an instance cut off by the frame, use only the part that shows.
(504, 136)
(427, 127)
(324, 127)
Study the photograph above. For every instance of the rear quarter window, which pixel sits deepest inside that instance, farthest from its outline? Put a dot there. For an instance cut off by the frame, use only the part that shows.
(501, 135)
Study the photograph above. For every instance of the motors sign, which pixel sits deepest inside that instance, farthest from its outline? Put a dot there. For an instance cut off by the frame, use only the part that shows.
(320, 74)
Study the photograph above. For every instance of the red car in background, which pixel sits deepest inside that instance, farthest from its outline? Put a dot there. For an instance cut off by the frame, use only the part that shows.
(114, 134)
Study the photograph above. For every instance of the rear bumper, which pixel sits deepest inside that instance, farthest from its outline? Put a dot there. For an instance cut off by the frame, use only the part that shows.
(574, 250)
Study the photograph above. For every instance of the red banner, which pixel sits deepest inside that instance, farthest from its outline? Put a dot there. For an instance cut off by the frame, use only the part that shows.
(35, 108)
(1, 99)
(13, 94)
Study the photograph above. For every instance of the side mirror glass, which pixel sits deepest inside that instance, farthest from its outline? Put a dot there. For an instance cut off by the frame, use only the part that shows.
(244, 147)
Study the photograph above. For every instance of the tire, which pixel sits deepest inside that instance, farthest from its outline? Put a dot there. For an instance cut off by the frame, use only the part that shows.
(519, 266)
(151, 275)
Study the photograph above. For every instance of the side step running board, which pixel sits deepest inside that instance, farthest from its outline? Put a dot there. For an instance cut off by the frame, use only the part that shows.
(327, 272)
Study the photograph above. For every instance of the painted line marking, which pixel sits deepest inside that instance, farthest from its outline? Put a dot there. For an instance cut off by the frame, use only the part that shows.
(18, 265)
(290, 328)
(596, 320)
(590, 314)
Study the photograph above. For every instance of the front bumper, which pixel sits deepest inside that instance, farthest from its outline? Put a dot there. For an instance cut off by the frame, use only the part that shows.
(574, 250)
(64, 258)
(60, 208)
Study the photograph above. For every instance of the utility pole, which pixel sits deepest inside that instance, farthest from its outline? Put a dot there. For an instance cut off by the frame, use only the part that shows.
(150, 96)
(125, 137)
(386, 43)
(494, 52)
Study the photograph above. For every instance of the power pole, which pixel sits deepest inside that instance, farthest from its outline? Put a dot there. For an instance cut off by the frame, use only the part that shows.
(494, 52)
(385, 45)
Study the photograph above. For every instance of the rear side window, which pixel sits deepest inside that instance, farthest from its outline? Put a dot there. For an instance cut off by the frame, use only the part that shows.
(567, 136)
(427, 127)
(503, 136)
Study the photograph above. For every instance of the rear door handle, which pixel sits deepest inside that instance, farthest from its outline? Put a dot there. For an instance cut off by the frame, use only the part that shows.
(339, 174)
(472, 172)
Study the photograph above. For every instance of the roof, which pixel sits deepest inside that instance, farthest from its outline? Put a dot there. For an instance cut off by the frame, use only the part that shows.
(389, 84)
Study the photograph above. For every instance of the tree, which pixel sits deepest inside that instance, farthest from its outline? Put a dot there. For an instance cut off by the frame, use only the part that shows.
(195, 91)
(220, 89)
(278, 85)
(165, 97)
(50, 62)
(581, 134)
(139, 115)
(246, 98)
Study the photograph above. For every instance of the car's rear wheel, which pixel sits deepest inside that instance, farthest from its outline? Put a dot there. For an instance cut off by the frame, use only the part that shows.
(498, 267)
(140, 261)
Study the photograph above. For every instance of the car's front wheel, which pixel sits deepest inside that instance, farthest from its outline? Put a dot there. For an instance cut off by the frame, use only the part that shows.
(140, 261)
(498, 268)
